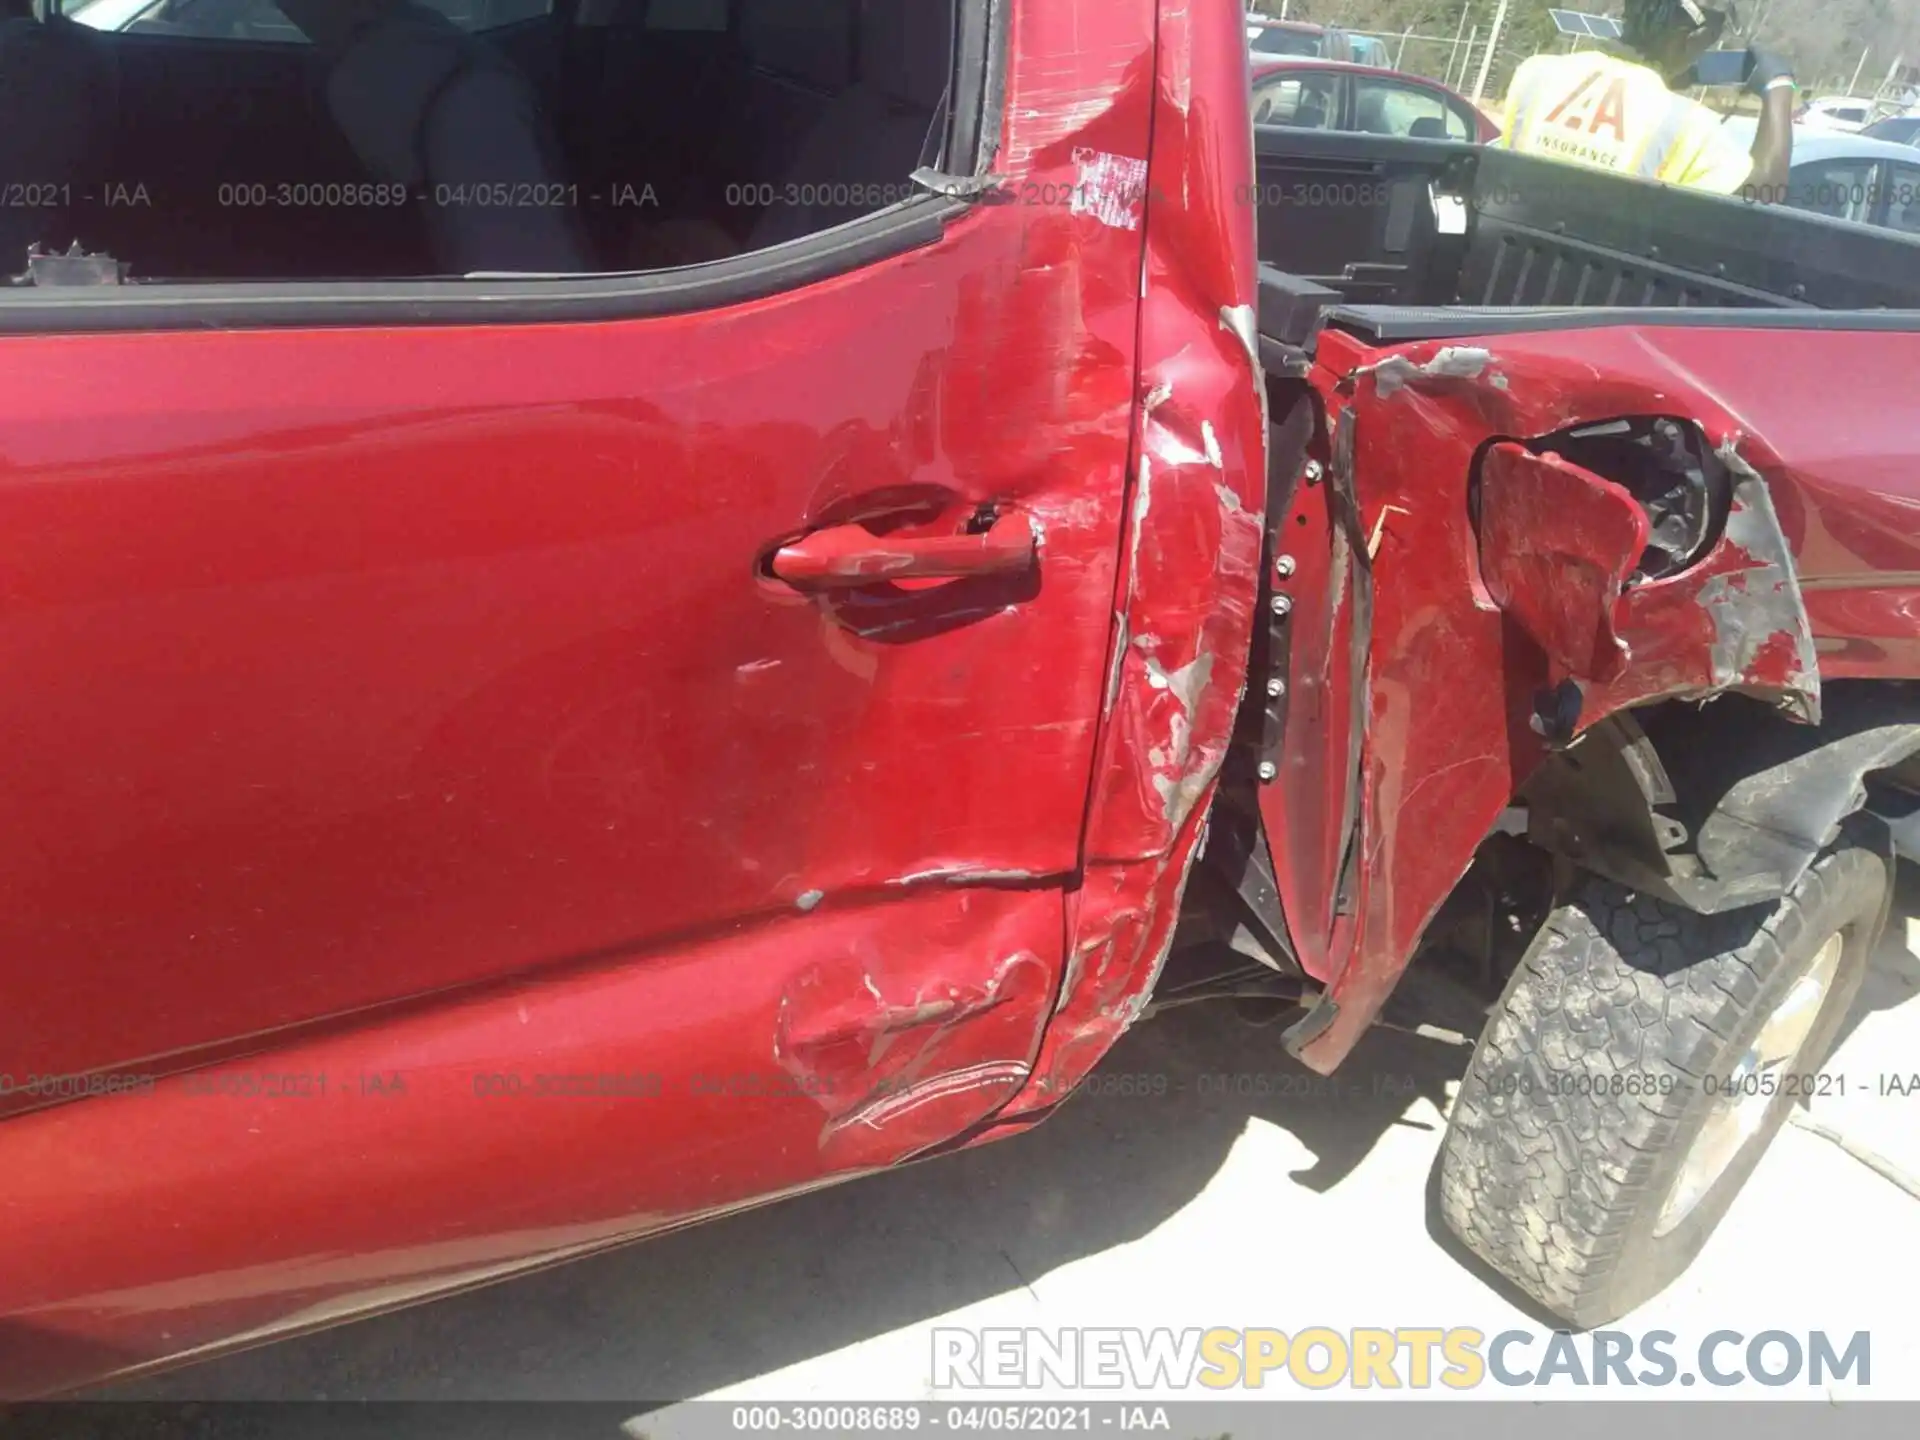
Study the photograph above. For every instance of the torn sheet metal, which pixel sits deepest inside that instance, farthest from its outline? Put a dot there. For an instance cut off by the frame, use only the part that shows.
(1761, 628)
(1453, 676)
(1734, 621)
(1558, 544)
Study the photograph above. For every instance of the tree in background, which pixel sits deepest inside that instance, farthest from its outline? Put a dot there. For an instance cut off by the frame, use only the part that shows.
(1527, 30)
(1825, 39)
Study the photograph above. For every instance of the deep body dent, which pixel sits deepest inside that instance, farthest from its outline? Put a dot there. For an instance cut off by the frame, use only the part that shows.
(1190, 571)
(1815, 429)
(419, 705)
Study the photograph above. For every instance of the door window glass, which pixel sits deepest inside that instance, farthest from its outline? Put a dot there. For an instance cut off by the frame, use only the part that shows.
(1387, 107)
(1840, 188)
(237, 150)
(1300, 99)
(1903, 199)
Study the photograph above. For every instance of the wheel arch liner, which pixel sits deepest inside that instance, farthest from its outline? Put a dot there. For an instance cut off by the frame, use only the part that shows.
(1599, 804)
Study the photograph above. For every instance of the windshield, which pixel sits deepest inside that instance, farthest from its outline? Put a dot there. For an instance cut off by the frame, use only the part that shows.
(109, 14)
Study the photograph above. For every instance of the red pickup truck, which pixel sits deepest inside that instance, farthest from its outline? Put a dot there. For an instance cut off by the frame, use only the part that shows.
(505, 758)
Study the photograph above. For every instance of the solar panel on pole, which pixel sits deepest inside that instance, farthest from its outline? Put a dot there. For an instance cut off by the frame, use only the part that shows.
(1579, 24)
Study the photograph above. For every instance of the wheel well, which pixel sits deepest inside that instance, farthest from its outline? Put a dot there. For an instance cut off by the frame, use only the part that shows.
(1723, 804)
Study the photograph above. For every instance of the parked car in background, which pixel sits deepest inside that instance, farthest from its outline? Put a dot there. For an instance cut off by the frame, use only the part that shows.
(1836, 112)
(1301, 40)
(1853, 177)
(1861, 178)
(1289, 38)
(1371, 50)
(1329, 95)
(1898, 129)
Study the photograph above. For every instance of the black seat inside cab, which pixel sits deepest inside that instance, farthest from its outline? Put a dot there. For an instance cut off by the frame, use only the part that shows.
(651, 111)
(233, 168)
(861, 148)
(206, 150)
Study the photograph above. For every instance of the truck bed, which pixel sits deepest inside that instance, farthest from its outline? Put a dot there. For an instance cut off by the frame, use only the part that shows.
(1382, 220)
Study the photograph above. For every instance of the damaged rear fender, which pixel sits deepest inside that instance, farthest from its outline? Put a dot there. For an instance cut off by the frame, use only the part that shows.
(1509, 621)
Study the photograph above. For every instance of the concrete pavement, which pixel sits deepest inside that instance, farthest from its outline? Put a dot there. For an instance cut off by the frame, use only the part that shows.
(1295, 1205)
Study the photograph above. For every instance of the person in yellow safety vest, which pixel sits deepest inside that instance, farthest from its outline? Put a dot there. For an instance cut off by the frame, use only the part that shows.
(1620, 111)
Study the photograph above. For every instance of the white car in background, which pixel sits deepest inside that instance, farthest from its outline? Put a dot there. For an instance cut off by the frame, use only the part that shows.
(1299, 39)
(1848, 177)
(1900, 129)
(1839, 113)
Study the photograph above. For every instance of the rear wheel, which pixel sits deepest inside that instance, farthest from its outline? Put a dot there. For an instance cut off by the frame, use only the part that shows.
(1640, 1061)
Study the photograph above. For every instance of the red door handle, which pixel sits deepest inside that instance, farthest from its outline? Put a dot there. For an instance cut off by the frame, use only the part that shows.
(853, 555)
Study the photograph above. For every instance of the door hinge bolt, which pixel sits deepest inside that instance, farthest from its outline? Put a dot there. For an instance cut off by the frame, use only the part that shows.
(1281, 605)
(1312, 472)
(1276, 688)
(1268, 770)
(1283, 567)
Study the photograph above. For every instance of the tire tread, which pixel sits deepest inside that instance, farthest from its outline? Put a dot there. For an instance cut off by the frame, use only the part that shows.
(1543, 1180)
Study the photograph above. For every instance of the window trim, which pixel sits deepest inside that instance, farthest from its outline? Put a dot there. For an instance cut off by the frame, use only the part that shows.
(973, 127)
(977, 110)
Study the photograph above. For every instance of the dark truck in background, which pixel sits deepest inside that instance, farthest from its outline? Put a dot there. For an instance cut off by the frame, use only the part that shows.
(1665, 442)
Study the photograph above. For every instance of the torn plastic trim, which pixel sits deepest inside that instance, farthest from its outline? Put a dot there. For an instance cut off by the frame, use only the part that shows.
(1773, 825)
(1451, 362)
(1599, 805)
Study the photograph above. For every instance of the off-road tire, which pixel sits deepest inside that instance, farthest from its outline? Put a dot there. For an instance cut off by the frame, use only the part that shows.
(1591, 1079)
